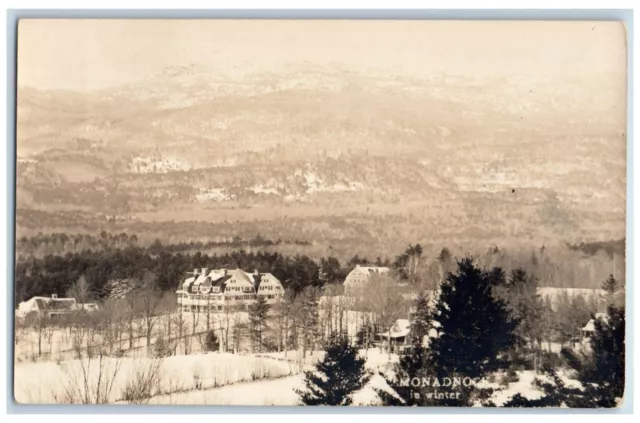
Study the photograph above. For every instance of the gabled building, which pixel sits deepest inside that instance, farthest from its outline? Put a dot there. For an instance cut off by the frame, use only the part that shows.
(361, 275)
(219, 289)
(52, 307)
(590, 327)
(401, 332)
(398, 332)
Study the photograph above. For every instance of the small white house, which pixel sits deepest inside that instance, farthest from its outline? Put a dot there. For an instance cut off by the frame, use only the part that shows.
(52, 307)
(398, 332)
(401, 330)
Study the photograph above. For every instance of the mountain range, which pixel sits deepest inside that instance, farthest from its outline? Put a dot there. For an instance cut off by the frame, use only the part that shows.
(456, 158)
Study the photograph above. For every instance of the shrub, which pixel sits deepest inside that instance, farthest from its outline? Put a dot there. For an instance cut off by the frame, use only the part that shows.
(161, 348)
(143, 383)
(211, 342)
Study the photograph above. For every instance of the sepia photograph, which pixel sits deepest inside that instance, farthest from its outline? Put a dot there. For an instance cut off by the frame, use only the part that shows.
(365, 213)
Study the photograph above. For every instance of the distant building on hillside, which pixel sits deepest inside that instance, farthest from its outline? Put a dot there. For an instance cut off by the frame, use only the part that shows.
(554, 295)
(361, 275)
(218, 289)
(52, 307)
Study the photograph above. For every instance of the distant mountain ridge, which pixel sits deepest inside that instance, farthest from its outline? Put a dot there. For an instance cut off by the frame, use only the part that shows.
(193, 139)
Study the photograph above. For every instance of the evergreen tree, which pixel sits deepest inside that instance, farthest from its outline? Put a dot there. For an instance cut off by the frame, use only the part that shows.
(339, 375)
(614, 290)
(412, 364)
(258, 315)
(331, 271)
(611, 285)
(211, 342)
(475, 328)
(161, 347)
(421, 321)
(497, 278)
(444, 256)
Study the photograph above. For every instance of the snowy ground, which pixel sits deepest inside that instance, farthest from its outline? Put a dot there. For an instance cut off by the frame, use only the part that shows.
(268, 392)
(526, 387)
(280, 391)
(214, 378)
(375, 358)
(37, 383)
(57, 343)
(197, 378)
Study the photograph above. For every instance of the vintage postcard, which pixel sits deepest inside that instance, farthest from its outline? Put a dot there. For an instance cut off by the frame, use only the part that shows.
(321, 212)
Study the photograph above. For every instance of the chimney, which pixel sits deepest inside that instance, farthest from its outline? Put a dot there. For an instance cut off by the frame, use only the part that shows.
(195, 272)
(255, 272)
(54, 296)
(225, 271)
(357, 265)
(204, 271)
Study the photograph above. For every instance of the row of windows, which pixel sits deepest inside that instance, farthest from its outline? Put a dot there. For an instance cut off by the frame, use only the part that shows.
(244, 297)
(202, 297)
(199, 308)
(269, 288)
(240, 289)
(205, 297)
(225, 298)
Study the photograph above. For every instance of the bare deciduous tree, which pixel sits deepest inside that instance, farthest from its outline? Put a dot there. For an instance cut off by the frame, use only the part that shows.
(282, 313)
(95, 379)
(180, 324)
(309, 319)
(39, 325)
(81, 291)
(149, 298)
(239, 328)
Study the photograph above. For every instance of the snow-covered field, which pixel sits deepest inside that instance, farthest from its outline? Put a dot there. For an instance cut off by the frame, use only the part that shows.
(267, 392)
(213, 378)
(281, 391)
(375, 358)
(47, 382)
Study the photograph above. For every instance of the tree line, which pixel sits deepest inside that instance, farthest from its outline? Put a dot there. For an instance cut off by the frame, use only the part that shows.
(54, 274)
(41, 245)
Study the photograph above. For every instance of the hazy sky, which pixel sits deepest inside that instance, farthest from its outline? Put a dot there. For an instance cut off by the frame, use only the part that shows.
(94, 54)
